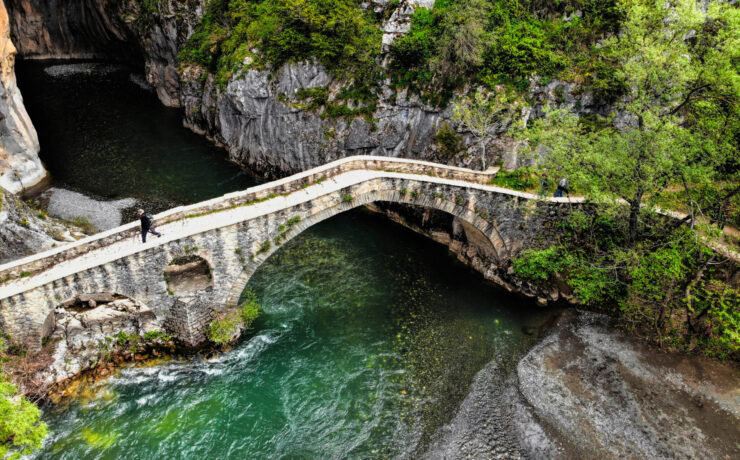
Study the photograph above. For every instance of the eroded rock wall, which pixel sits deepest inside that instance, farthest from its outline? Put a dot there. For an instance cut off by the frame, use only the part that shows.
(257, 116)
(161, 33)
(82, 338)
(20, 167)
(70, 29)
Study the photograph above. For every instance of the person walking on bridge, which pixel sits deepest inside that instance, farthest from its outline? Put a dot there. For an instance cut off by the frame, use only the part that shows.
(147, 221)
(563, 188)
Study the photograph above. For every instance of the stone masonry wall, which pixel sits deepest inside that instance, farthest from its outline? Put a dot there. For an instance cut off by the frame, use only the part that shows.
(236, 233)
(235, 251)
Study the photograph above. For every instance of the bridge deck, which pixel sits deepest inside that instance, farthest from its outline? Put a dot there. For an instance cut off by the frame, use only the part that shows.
(129, 241)
(40, 269)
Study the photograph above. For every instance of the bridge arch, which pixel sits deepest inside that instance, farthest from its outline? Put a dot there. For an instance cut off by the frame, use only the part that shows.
(416, 194)
(188, 274)
(237, 232)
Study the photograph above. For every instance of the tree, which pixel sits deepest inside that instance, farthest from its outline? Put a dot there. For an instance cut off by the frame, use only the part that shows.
(461, 40)
(483, 113)
(677, 124)
(21, 430)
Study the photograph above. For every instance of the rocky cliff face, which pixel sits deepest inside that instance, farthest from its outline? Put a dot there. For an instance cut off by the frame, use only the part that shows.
(64, 29)
(20, 167)
(258, 116)
(260, 120)
(24, 231)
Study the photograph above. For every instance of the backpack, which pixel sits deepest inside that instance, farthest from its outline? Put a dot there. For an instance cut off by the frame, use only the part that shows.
(148, 219)
(563, 183)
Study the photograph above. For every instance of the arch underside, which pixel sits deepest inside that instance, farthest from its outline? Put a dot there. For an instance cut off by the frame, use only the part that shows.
(233, 252)
(465, 212)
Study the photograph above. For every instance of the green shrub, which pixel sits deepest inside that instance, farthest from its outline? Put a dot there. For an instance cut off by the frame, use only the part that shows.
(264, 247)
(347, 198)
(540, 265)
(249, 309)
(449, 142)
(84, 223)
(123, 338)
(223, 328)
(21, 428)
(157, 335)
(520, 179)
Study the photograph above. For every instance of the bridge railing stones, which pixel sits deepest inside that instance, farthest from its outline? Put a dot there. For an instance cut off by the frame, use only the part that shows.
(107, 263)
(34, 264)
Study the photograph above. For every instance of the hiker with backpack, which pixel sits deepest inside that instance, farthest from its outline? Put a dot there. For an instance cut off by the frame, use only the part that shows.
(563, 185)
(147, 221)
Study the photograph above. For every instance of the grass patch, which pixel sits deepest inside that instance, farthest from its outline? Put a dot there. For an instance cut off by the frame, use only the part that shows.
(224, 327)
(84, 224)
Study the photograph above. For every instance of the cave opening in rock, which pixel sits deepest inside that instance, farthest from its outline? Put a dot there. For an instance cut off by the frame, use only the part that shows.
(84, 29)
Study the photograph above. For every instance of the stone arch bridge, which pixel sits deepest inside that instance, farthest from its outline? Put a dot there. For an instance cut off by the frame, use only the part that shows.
(232, 235)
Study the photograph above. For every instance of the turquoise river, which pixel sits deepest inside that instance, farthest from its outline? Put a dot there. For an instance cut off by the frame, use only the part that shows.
(368, 341)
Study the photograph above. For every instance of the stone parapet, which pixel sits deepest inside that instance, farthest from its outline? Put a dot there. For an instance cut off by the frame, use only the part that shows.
(235, 233)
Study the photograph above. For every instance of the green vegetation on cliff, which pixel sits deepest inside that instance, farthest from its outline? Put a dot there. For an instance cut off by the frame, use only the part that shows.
(337, 33)
(455, 43)
(676, 143)
(504, 41)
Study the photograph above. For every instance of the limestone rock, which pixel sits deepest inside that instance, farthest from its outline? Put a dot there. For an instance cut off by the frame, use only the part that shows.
(606, 396)
(82, 338)
(23, 232)
(20, 166)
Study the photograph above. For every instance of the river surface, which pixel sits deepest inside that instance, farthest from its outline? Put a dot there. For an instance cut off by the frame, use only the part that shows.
(369, 339)
(103, 132)
(370, 334)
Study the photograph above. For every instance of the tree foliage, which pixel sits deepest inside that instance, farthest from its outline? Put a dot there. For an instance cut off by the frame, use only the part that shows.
(676, 89)
(499, 41)
(673, 134)
(337, 33)
(21, 428)
(483, 112)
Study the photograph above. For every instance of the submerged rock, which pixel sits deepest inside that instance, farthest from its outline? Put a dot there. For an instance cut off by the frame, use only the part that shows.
(492, 423)
(588, 391)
